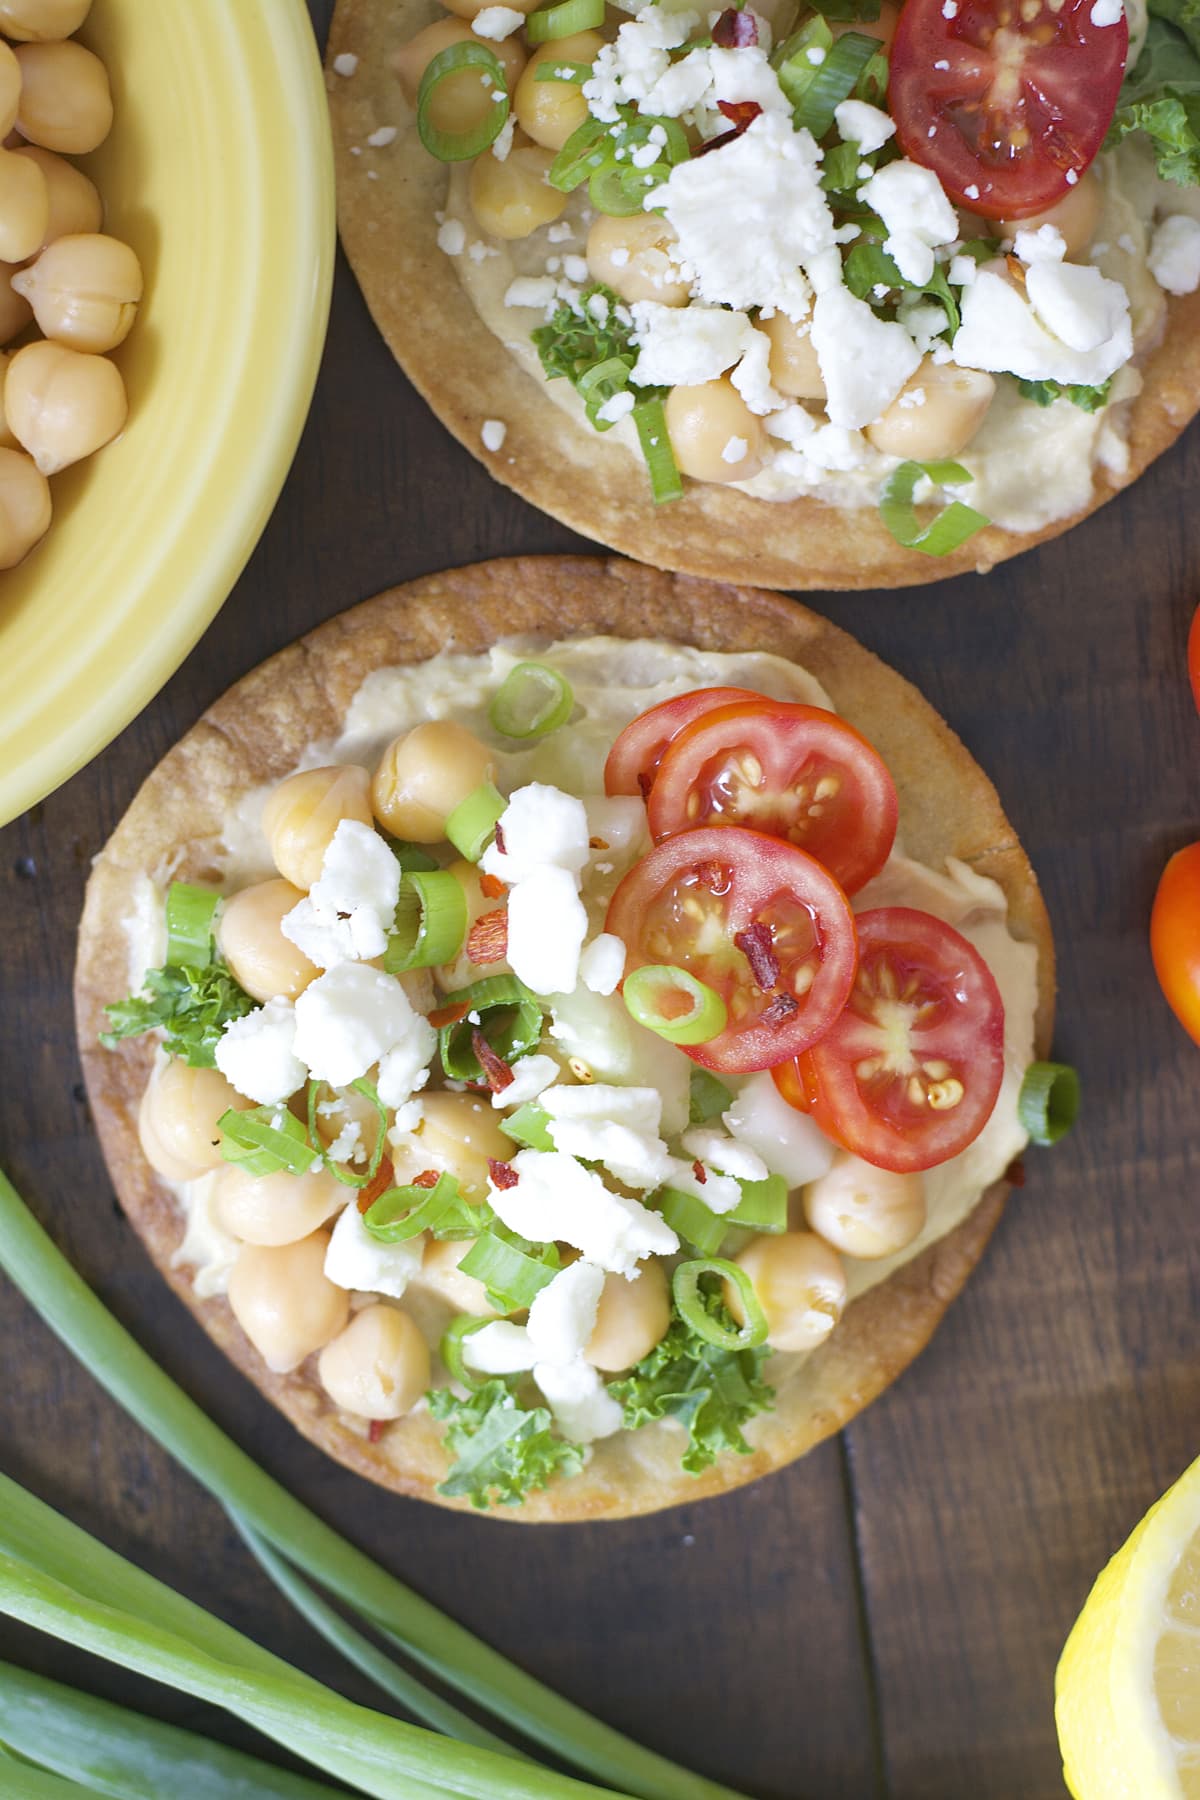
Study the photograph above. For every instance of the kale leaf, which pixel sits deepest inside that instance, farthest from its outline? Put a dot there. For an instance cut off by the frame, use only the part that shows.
(710, 1392)
(191, 1006)
(1045, 393)
(1161, 94)
(501, 1452)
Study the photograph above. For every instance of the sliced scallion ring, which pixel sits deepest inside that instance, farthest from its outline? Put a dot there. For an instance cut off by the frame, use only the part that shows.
(697, 1224)
(666, 482)
(833, 80)
(552, 22)
(673, 1003)
(952, 527)
(461, 146)
(471, 825)
(513, 1271)
(190, 912)
(533, 699)
(265, 1140)
(763, 1206)
(528, 1125)
(691, 1304)
(599, 384)
(451, 1349)
(346, 1176)
(507, 1013)
(405, 1212)
(411, 857)
(620, 190)
(430, 922)
(1048, 1103)
(588, 147)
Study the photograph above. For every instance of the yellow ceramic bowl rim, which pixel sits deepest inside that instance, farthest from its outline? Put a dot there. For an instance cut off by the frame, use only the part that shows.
(229, 481)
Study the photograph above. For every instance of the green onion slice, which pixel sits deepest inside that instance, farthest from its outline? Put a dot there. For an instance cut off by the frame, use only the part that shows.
(598, 385)
(451, 1349)
(588, 147)
(651, 423)
(564, 20)
(411, 857)
(833, 81)
(512, 1270)
(691, 1304)
(509, 1016)
(1048, 1103)
(528, 1125)
(533, 699)
(190, 913)
(266, 1140)
(672, 1002)
(337, 1169)
(707, 1097)
(461, 146)
(405, 1212)
(430, 923)
(791, 62)
(620, 189)
(696, 1223)
(472, 824)
(952, 527)
(763, 1205)
(563, 71)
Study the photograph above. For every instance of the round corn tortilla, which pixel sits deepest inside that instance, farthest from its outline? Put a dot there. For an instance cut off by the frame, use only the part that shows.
(257, 733)
(387, 204)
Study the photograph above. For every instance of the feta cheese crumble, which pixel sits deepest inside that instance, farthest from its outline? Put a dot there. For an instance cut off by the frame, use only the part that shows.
(345, 64)
(256, 1054)
(1174, 257)
(557, 1198)
(348, 1019)
(347, 913)
(497, 22)
(493, 433)
(359, 1262)
(867, 126)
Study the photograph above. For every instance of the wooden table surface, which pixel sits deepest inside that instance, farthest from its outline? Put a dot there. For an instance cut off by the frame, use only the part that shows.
(882, 1619)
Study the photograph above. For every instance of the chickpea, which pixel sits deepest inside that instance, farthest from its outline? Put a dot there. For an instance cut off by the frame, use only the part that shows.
(303, 812)
(800, 1286)
(459, 1133)
(75, 204)
(463, 100)
(42, 20)
(62, 404)
(284, 1301)
(549, 111)
(177, 1119)
(274, 1209)
(24, 506)
(864, 1211)
(632, 1317)
(795, 370)
(7, 440)
(705, 422)
(424, 775)
(943, 421)
(441, 1273)
(15, 310)
(66, 103)
(262, 959)
(84, 290)
(1076, 215)
(377, 1368)
(630, 256)
(24, 207)
(10, 89)
(512, 198)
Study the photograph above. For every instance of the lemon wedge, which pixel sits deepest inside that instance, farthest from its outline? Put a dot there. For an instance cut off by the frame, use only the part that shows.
(1128, 1687)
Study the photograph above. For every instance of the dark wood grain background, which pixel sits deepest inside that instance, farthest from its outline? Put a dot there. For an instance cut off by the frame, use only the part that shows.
(882, 1619)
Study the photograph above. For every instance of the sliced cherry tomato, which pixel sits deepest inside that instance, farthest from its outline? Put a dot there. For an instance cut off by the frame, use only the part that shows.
(797, 772)
(758, 920)
(634, 758)
(1007, 101)
(1175, 937)
(1193, 653)
(909, 1074)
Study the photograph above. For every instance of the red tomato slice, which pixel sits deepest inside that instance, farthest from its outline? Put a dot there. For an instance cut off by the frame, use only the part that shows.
(909, 1074)
(797, 772)
(1175, 937)
(1007, 101)
(634, 758)
(753, 917)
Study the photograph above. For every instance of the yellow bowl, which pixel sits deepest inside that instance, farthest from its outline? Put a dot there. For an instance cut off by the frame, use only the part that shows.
(219, 172)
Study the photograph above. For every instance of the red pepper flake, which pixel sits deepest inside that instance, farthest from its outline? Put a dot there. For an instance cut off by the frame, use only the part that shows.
(595, 843)
(500, 839)
(428, 1178)
(487, 940)
(645, 782)
(700, 1172)
(375, 1430)
(383, 1178)
(781, 1006)
(757, 945)
(735, 30)
(741, 113)
(491, 887)
(499, 1075)
(502, 1173)
(449, 1015)
(1015, 1173)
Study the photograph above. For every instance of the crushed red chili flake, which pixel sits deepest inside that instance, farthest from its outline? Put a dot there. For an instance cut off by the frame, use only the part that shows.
(375, 1430)
(780, 1007)
(502, 1173)
(449, 1015)
(757, 945)
(428, 1178)
(499, 1075)
(487, 940)
(491, 887)
(700, 1172)
(1015, 1173)
(597, 843)
(645, 782)
(383, 1178)
(735, 30)
(500, 839)
(741, 113)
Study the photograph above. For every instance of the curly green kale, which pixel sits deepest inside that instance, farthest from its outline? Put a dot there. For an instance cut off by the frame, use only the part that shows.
(501, 1452)
(1161, 94)
(710, 1392)
(191, 1006)
(1045, 393)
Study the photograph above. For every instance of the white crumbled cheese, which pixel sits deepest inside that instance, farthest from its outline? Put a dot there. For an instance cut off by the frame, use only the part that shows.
(497, 22)
(493, 433)
(1077, 303)
(644, 155)
(1046, 244)
(724, 1153)
(924, 320)
(626, 71)
(618, 821)
(379, 139)
(1000, 332)
(500, 1348)
(562, 1316)
(408, 1116)
(345, 64)
(752, 377)
(575, 269)
(914, 397)
(640, 1108)
(502, 143)
(971, 191)
(562, 233)
(1174, 256)
(919, 218)
(256, 1054)
(788, 1141)
(348, 1019)
(403, 1068)
(556, 1198)
(359, 1262)
(347, 1145)
(751, 219)
(745, 74)
(531, 1076)
(350, 908)
(1072, 177)
(864, 360)
(617, 1127)
(1107, 12)
(734, 450)
(682, 90)
(602, 964)
(720, 1193)
(837, 448)
(962, 270)
(949, 9)
(531, 290)
(547, 924)
(617, 408)
(583, 1408)
(682, 346)
(867, 126)
(541, 826)
(452, 237)
(619, 257)
(794, 424)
